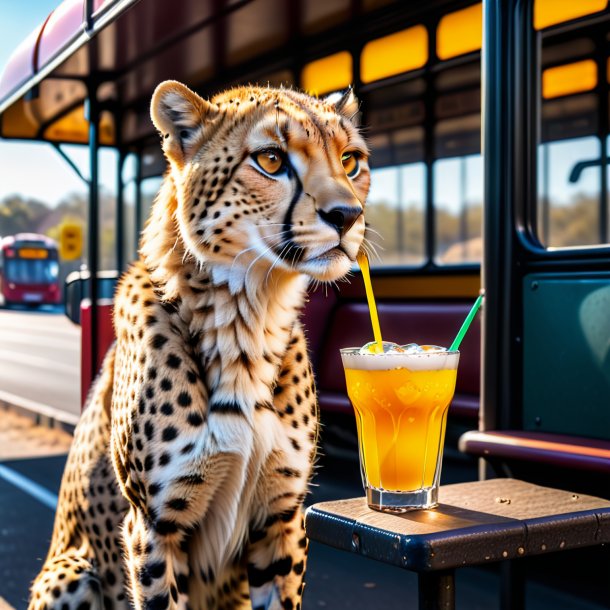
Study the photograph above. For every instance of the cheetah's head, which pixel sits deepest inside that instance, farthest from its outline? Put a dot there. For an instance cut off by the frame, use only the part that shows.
(266, 176)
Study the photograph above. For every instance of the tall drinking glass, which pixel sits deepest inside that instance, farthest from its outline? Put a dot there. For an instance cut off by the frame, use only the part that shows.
(401, 402)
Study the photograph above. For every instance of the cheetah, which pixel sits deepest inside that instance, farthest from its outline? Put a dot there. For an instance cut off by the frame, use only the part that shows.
(189, 468)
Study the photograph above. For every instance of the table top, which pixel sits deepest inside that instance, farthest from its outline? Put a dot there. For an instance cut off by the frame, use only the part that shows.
(475, 523)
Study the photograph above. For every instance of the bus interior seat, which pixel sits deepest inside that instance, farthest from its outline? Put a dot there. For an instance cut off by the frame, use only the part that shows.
(332, 323)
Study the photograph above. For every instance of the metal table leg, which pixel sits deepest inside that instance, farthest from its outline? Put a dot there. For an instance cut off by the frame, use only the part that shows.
(512, 585)
(437, 590)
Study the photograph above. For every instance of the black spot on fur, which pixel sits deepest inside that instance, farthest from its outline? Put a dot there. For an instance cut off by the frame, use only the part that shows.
(166, 408)
(184, 399)
(225, 408)
(169, 434)
(177, 504)
(158, 341)
(159, 602)
(173, 361)
(149, 430)
(182, 582)
(156, 569)
(194, 419)
(258, 577)
(163, 527)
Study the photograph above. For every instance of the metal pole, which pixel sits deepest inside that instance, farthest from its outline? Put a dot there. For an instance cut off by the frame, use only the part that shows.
(603, 128)
(120, 213)
(400, 246)
(546, 196)
(93, 244)
(437, 590)
(464, 209)
(429, 157)
(138, 202)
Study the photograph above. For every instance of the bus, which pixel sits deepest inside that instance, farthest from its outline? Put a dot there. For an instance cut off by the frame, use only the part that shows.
(489, 129)
(29, 270)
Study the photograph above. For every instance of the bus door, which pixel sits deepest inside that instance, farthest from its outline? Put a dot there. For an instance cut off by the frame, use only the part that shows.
(546, 376)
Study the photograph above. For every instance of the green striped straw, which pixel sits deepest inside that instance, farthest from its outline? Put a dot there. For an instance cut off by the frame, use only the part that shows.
(466, 325)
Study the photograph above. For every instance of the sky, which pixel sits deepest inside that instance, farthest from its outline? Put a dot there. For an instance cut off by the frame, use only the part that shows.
(37, 171)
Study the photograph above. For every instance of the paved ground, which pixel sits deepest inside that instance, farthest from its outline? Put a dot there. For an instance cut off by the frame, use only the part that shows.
(40, 357)
(335, 580)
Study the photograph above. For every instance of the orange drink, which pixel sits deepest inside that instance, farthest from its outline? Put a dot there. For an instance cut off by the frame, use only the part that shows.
(401, 398)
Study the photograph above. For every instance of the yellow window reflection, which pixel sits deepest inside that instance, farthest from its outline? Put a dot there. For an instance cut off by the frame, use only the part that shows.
(571, 78)
(460, 32)
(551, 12)
(394, 54)
(328, 74)
(74, 127)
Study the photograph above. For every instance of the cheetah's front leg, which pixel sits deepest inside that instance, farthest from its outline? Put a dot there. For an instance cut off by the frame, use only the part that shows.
(157, 567)
(276, 563)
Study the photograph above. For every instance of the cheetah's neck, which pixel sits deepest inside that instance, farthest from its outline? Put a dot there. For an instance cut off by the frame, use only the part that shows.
(238, 320)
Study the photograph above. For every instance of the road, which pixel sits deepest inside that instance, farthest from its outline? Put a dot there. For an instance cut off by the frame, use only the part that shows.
(40, 357)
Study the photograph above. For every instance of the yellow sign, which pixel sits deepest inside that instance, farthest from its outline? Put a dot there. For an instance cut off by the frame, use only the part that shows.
(70, 241)
(33, 253)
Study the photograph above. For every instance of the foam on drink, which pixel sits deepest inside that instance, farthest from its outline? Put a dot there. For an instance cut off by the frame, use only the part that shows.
(397, 356)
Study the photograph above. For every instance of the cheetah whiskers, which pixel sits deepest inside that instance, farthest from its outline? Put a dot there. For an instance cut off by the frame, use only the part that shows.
(278, 258)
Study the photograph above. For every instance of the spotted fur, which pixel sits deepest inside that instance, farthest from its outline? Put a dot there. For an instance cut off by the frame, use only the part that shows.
(189, 468)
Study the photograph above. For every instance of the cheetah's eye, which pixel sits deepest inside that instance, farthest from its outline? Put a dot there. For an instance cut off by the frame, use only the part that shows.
(350, 164)
(270, 160)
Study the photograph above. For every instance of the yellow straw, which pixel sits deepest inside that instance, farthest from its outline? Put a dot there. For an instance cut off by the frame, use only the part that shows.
(363, 261)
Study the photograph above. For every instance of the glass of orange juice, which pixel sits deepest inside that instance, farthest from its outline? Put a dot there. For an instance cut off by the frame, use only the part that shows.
(401, 398)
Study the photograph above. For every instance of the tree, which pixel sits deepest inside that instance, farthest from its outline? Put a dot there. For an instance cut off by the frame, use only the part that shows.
(19, 215)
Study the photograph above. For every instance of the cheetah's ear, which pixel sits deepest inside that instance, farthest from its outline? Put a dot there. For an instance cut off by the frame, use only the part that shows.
(346, 104)
(181, 117)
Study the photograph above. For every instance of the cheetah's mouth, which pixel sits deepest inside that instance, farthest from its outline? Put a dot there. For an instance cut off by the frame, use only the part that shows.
(329, 266)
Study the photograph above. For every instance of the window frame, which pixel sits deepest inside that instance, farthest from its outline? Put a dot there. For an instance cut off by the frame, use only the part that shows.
(528, 59)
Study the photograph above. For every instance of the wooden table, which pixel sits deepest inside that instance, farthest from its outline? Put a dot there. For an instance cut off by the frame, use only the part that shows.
(475, 523)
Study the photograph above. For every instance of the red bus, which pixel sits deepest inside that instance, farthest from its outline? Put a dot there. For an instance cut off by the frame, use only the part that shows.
(29, 270)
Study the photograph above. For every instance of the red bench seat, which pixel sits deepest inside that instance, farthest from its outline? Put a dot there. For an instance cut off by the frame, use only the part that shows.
(332, 324)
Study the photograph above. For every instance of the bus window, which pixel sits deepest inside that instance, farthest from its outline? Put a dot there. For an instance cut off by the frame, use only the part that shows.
(23, 271)
(393, 54)
(150, 188)
(328, 74)
(129, 217)
(458, 194)
(395, 210)
(572, 189)
(568, 197)
(552, 12)
(460, 32)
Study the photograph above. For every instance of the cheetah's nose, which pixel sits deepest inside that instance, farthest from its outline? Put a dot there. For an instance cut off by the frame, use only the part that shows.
(341, 217)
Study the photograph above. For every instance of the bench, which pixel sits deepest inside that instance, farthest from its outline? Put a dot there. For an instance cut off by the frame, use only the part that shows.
(497, 520)
(332, 323)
